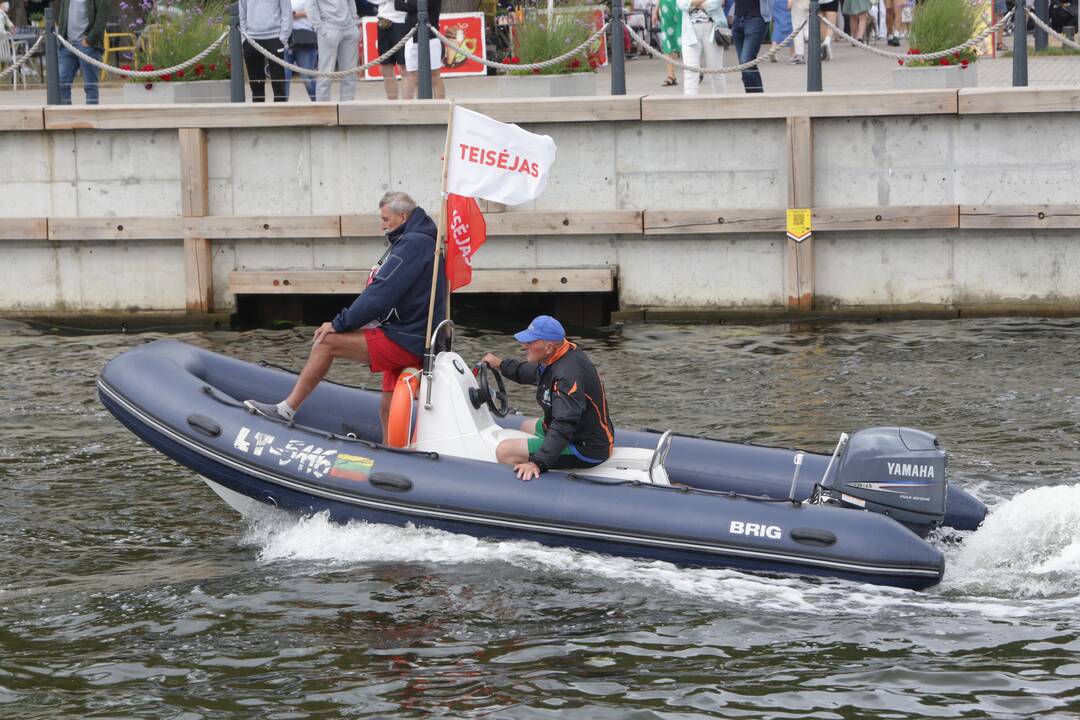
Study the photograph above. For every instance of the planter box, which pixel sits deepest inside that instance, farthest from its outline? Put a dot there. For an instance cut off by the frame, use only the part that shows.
(948, 77)
(164, 93)
(572, 85)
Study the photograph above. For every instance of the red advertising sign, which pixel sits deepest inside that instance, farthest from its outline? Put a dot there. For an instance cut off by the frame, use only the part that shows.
(464, 29)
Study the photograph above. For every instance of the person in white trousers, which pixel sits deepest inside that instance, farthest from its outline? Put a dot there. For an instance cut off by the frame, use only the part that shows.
(800, 11)
(699, 49)
(338, 28)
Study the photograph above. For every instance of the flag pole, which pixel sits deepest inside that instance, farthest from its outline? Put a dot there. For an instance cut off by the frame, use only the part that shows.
(439, 239)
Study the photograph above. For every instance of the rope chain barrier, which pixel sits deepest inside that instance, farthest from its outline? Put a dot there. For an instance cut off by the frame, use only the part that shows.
(644, 45)
(922, 56)
(24, 59)
(334, 74)
(521, 66)
(1051, 31)
(139, 74)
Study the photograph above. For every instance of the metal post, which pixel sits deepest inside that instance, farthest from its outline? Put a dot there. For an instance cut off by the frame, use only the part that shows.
(1042, 9)
(52, 60)
(618, 56)
(423, 70)
(236, 57)
(813, 49)
(1020, 63)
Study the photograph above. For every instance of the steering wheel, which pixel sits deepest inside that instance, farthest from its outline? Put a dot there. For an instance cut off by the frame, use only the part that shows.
(498, 402)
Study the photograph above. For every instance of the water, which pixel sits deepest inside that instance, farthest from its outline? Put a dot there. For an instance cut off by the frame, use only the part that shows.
(127, 589)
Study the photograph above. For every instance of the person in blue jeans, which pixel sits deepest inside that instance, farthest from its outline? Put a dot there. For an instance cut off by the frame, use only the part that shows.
(747, 31)
(82, 23)
(304, 50)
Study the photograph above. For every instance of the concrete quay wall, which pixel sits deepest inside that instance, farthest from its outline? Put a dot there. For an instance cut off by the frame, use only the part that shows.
(936, 201)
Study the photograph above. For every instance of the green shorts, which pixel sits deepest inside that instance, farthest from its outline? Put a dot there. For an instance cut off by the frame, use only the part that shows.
(570, 450)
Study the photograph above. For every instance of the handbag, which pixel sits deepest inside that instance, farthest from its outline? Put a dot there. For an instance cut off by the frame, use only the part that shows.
(721, 36)
(385, 23)
(301, 36)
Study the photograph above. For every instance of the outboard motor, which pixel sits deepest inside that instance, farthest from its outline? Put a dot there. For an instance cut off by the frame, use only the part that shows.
(895, 471)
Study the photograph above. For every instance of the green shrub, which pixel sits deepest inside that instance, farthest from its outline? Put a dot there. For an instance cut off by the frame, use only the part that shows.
(177, 31)
(536, 39)
(942, 24)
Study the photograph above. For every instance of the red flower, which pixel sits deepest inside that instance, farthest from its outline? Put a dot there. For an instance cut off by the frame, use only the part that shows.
(900, 63)
(147, 68)
(179, 74)
(167, 77)
(593, 63)
(513, 60)
(914, 51)
(964, 63)
(149, 86)
(200, 69)
(944, 61)
(125, 67)
(575, 63)
(956, 55)
(536, 71)
(213, 67)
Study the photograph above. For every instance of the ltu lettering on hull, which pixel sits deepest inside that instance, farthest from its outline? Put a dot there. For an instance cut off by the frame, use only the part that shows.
(910, 470)
(738, 527)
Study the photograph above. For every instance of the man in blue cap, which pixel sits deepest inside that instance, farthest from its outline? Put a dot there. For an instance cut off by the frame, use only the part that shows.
(576, 430)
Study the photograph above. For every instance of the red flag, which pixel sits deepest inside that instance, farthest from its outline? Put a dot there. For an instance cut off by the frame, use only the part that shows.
(465, 233)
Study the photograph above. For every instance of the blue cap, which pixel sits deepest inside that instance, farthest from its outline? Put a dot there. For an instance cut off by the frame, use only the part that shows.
(543, 327)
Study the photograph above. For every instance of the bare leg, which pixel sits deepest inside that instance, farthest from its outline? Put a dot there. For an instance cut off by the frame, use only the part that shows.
(408, 90)
(351, 345)
(438, 90)
(390, 82)
(384, 411)
(512, 452)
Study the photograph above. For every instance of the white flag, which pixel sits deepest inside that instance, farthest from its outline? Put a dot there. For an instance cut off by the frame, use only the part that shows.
(497, 161)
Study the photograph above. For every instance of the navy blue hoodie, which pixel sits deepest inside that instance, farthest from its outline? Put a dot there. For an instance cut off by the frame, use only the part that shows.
(398, 296)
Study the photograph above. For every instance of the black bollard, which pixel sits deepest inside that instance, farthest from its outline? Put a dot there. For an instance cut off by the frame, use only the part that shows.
(236, 57)
(52, 60)
(423, 65)
(813, 49)
(1020, 64)
(1042, 10)
(618, 54)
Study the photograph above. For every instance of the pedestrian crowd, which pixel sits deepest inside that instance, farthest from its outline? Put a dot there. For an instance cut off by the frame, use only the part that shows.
(699, 31)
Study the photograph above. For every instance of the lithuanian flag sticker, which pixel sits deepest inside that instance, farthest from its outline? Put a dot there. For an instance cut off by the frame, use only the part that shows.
(352, 467)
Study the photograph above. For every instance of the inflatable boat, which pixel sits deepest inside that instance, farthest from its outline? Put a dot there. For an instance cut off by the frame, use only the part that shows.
(861, 513)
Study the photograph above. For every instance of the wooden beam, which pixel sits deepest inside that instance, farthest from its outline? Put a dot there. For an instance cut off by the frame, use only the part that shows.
(785, 105)
(982, 101)
(117, 228)
(195, 115)
(799, 262)
(1025, 217)
(351, 282)
(515, 110)
(894, 217)
(195, 202)
(266, 226)
(571, 222)
(24, 229)
(22, 118)
(714, 221)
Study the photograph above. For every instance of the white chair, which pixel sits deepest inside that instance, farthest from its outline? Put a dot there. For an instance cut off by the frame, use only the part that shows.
(9, 56)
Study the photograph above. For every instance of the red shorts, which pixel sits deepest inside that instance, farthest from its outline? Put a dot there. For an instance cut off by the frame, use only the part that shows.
(387, 357)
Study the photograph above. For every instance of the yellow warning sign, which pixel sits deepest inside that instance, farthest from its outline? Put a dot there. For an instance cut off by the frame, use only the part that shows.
(798, 224)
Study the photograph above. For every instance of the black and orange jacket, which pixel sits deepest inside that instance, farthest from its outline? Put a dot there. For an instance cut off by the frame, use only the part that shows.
(571, 392)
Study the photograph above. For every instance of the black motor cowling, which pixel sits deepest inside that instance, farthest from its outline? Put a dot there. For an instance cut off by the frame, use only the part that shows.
(895, 471)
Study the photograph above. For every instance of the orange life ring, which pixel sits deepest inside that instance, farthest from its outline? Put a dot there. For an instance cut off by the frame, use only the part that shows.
(398, 424)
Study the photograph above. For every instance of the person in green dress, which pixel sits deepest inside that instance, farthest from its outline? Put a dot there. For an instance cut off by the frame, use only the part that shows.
(859, 10)
(669, 18)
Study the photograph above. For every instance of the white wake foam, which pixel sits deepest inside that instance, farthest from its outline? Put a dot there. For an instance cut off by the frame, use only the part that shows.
(1028, 546)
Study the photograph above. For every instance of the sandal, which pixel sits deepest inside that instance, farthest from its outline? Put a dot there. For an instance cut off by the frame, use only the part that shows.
(668, 82)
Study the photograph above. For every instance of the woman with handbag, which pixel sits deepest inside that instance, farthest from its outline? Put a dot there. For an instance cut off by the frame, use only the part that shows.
(666, 15)
(704, 36)
(304, 50)
(391, 30)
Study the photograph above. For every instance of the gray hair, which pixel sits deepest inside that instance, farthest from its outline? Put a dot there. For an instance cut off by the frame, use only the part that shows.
(399, 202)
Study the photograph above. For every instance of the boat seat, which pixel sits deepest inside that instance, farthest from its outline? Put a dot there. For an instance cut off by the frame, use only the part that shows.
(636, 464)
